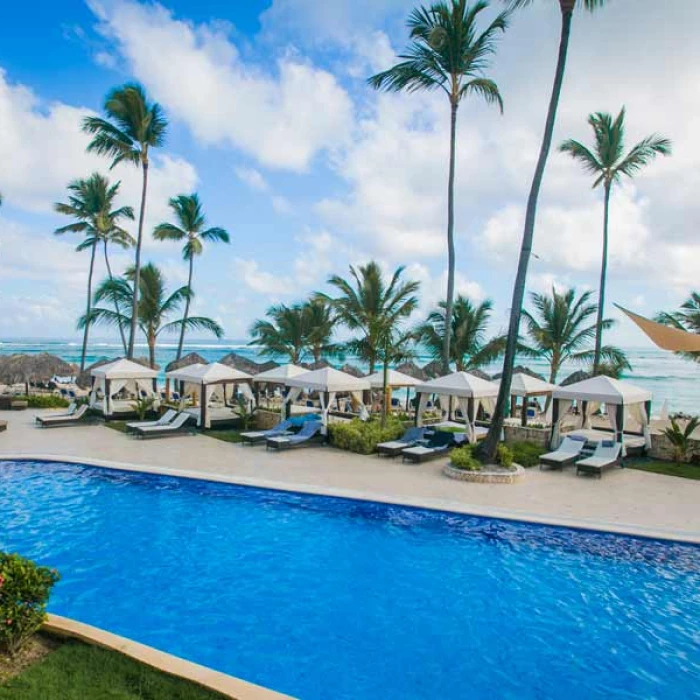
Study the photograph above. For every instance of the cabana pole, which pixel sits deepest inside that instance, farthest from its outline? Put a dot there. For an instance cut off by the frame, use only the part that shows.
(555, 420)
(523, 411)
(417, 411)
(203, 408)
(620, 421)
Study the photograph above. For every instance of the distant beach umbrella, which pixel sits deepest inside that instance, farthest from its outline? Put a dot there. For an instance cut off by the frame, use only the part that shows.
(433, 369)
(521, 369)
(352, 370)
(192, 358)
(233, 359)
(27, 369)
(576, 377)
(413, 370)
(321, 364)
(480, 373)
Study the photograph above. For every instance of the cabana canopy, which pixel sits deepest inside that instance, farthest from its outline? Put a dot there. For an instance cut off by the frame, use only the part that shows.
(113, 377)
(123, 369)
(394, 379)
(214, 373)
(527, 385)
(279, 375)
(602, 389)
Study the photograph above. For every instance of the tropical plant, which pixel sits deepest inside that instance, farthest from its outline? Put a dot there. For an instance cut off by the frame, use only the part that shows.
(463, 458)
(283, 334)
(142, 405)
(561, 331)
(680, 438)
(319, 326)
(687, 319)
(447, 53)
(363, 436)
(90, 203)
(607, 162)
(133, 125)
(469, 348)
(154, 308)
(191, 229)
(487, 448)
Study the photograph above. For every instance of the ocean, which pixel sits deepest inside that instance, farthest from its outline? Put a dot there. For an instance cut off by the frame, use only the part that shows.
(670, 379)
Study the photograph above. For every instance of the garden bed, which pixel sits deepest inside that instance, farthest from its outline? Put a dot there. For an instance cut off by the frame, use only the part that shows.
(488, 474)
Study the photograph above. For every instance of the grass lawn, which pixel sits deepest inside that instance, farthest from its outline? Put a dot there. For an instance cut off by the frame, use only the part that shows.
(119, 425)
(76, 671)
(686, 471)
(228, 435)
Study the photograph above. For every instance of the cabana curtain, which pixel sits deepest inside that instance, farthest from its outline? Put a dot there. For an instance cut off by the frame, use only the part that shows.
(564, 407)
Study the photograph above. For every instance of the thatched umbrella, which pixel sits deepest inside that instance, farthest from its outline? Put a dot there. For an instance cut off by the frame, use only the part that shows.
(521, 369)
(321, 364)
(191, 358)
(41, 367)
(480, 373)
(352, 370)
(84, 380)
(233, 359)
(433, 369)
(413, 370)
(265, 366)
(576, 377)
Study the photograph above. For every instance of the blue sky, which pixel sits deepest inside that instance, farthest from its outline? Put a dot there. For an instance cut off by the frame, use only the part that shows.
(272, 123)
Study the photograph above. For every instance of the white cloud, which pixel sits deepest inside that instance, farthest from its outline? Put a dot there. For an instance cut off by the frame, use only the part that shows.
(282, 118)
(261, 281)
(253, 178)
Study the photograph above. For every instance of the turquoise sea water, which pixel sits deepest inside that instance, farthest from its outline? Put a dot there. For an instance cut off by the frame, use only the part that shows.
(668, 377)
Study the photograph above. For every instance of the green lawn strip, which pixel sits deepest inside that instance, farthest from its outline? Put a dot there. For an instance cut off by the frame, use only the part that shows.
(686, 471)
(224, 435)
(119, 425)
(76, 671)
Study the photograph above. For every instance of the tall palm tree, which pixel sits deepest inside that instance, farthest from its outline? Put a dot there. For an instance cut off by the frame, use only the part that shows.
(561, 330)
(487, 449)
(607, 162)
(188, 212)
(372, 307)
(90, 203)
(319, 326)
(283, 334)
(133, 125)
(154, 309)
(686, 319)
(447, 53)
(469, 348)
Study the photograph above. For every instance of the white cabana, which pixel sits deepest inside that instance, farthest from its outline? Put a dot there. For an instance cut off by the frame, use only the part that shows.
(328, 382)
(395, 380)
(469, 390)
(211, 380)
(621, 399)
(120, 376)
(525, 386)
(279, 375)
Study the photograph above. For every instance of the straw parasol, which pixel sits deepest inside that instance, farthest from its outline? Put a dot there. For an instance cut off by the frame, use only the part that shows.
(480, 373)
(576, 377)
(321, 364)
(267, 366)
(352, 370)
(413, 370)
(84, 380)
(191, 358)
(41, 367)
(243, 364)
(433, 369)
(521, 369)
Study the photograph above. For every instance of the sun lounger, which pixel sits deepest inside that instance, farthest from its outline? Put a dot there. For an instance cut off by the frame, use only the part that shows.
(567, 453)
(165, 419)
(177, 426)
(310, 434)
(408, 439)
(438, 444)
(257, 436)
(607, 454)
(68, 413)
(62, 419)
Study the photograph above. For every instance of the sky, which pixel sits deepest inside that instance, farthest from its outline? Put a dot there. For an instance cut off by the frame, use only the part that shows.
(310, 170)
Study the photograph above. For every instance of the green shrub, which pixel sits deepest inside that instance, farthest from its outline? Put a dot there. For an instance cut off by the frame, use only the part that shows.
(24, 591)
(142, 405)
(504, 456)
(44, 401)
(462, 458)
(527, 454)
(363, 436)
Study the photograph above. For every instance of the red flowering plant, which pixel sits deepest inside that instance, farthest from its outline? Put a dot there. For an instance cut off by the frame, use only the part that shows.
(24, 592)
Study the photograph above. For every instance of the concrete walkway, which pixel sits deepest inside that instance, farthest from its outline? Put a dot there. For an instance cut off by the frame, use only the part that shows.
(624, 500)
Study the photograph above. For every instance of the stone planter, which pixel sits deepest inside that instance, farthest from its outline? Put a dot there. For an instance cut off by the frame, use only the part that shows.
(537, 436)
(487, 475)
(661, 448)
(264, 420)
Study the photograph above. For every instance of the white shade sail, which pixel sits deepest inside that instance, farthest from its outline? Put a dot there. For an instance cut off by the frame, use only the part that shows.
(394, 379)
(526, 385)
(279, 375)
(603, 390)
(214, 373)
(328, 379)
(459, 384)
(123, 369)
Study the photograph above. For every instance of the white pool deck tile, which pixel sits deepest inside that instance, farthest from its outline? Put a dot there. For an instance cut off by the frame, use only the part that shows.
(624, 500)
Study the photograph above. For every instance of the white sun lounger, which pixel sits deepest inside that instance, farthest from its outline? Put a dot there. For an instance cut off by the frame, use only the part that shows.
(165, 419)
(567, 453)
(62, 419)
(175, 427)
(607, 454)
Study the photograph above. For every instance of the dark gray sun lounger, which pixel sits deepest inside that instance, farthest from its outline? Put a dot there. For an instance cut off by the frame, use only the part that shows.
(393, 448)
(567, 453)
(62, 420)
(607, 454)
(167, 418)
(178, 426)
(309, 435)
(438, 444)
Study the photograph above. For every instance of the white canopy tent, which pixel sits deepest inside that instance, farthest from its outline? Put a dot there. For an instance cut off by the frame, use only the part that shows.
(328, 382)
(279, 375)
(628, 400)
(395, 380)
(524, 386)
(210, 378)
(121, 375)
(471, 392)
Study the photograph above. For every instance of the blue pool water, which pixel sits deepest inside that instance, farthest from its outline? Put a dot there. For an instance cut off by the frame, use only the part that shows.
(327, 598)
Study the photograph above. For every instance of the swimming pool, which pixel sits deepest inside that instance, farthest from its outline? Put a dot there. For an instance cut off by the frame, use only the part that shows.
(327, 598)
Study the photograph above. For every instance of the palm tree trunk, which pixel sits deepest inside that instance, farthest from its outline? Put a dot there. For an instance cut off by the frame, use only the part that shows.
(187, 310)
(603, 277)
(487, 449)
(152, 348)
(137, 262)
(450, 241)
(385, 385)
(86, 331)
(116, 306)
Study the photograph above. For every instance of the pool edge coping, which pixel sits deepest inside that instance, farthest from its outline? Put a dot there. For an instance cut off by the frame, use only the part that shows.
(434, 504)
(229, 686)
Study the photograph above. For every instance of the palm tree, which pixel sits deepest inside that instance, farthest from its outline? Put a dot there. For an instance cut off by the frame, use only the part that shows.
(189, 214)
(487, 449)
(319, 326)
(561, 331)
(447, 53)
(90, 203)
(133, 126)
(284, 334)
(154, 309)
(469, 348)
(607, 161)
(687, 319)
